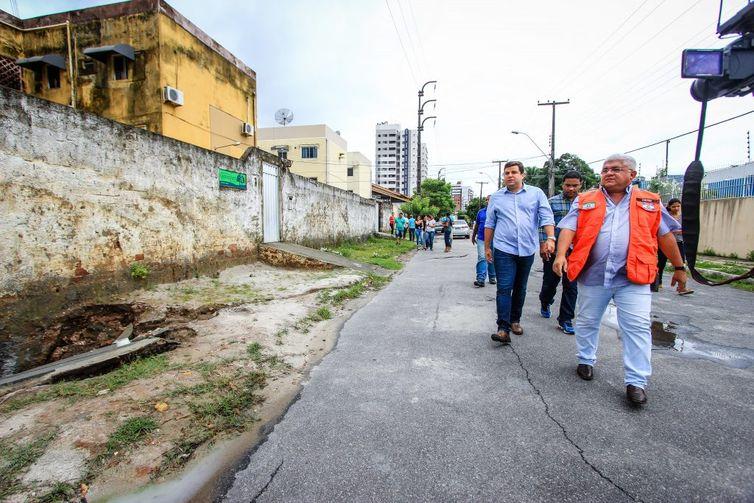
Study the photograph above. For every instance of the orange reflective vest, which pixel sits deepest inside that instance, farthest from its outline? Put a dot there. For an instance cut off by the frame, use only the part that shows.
(644, 221)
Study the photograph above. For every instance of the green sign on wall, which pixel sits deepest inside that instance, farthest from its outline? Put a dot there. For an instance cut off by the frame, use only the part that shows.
(232, 179)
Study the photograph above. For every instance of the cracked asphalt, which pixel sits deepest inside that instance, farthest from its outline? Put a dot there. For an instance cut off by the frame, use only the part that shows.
(416, 403)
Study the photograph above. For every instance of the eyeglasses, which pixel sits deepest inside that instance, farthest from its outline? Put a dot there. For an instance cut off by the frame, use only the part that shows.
(612, 170)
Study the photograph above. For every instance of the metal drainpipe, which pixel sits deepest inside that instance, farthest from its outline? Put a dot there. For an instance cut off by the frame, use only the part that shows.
(71, 69)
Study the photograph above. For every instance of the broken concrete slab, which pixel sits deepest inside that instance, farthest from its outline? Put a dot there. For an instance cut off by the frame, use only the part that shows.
(92, 362)
(293, 255)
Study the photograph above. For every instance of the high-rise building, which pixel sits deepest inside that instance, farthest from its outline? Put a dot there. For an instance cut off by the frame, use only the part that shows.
(395, 158)
(462, 194)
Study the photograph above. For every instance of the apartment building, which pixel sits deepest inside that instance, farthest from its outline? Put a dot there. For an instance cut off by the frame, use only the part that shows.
(138, 62)
(462, 194)
(315, 151)
(395, 158)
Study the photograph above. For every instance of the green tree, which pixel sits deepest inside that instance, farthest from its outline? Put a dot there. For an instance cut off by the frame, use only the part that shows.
(564, 163)
(473, 207)
(438, 193)
(419, 206)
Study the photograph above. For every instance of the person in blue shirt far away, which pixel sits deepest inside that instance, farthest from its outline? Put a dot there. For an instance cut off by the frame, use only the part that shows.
(511, 238)
(484, 269)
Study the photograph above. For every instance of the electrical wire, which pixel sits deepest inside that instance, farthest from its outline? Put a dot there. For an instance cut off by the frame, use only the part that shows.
(601, 45)
(635, 51)
(405, 54)
(680, 135)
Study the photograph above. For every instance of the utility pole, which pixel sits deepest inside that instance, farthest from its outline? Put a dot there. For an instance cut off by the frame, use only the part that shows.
(481, 194)
(419, 128)
(667, 150)
(551, 180)
(748, 145)
(500, 173)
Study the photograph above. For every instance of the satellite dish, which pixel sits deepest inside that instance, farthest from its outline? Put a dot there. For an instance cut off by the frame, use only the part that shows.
(283, 116)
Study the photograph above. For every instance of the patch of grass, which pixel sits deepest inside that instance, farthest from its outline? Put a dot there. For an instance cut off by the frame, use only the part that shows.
(279, 336)
(15, 458)
(230, 407)
(710, 252)
(322, 313)
(377, 251)
(130, 432)
(734, 256)
(139, 271)
(729, 267)
(76, 390)
(254, 350)
(220, 293)
(750, 256)
(61, 491)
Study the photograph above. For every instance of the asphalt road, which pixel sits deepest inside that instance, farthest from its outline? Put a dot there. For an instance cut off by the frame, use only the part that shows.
(416, 403)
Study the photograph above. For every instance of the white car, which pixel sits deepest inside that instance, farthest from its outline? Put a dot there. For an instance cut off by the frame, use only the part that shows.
(461, 229)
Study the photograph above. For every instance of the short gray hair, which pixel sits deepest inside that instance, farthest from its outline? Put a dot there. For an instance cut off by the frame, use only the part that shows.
(624, 159)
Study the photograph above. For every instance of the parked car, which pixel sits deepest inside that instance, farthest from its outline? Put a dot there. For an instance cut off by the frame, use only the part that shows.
(461, 229)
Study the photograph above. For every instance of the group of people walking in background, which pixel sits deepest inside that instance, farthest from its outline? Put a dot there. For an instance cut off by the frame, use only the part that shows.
(422, 230)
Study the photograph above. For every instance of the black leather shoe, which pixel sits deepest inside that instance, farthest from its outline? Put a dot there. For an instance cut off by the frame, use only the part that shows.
(636, 395)
(478, 284)
(586, 372)
(504, 339)
(493, 282)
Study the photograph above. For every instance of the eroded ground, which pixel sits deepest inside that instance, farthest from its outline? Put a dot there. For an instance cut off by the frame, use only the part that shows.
(246, 339)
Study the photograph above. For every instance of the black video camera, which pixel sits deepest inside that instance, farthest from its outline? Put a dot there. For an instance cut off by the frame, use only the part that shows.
(728, 71)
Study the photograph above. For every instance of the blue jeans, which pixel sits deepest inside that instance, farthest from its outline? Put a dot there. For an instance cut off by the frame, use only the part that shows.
(512, 276)
(429, 239)
(448, 238)
(634, 303)
(483, 268)
(419, 237)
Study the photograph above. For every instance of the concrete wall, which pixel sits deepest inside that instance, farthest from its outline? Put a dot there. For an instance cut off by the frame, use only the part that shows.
(83, 195)
(726, 226)
(315, 214)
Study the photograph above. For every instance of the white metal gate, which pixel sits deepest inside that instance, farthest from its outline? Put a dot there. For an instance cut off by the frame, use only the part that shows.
(271, 202)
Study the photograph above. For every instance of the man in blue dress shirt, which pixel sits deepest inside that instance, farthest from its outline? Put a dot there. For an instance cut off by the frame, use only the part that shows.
(511, 238)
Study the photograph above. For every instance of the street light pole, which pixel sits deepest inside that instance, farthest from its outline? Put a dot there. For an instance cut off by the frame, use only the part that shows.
(552, 161)
(419, 127)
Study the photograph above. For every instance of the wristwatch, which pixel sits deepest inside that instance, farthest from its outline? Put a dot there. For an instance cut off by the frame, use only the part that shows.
(680, 268)
(552, 237)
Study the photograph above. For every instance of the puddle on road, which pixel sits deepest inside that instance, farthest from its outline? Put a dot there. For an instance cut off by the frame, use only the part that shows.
(665, 336)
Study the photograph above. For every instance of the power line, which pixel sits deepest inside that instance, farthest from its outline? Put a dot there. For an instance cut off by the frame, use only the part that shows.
(680, 135)
(405, 54)
(602, 44)
(410, 39)
(635, 51)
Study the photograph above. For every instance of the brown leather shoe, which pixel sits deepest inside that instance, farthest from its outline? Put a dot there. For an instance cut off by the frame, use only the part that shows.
(501, 337)
(636, 395)
(517, 329)
(586, 372)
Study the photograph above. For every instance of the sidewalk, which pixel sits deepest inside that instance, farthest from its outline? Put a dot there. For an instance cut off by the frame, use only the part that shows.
(416, 403)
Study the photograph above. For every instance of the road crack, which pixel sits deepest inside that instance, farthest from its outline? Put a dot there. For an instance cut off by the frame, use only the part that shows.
(272, 476)
(565, 433)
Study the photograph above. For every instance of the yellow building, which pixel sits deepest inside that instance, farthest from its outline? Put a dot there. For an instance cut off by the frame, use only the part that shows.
(359, 174)
(315, 151)
(138, 62)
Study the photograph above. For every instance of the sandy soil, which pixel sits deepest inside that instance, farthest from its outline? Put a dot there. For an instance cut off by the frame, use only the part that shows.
(263, 320)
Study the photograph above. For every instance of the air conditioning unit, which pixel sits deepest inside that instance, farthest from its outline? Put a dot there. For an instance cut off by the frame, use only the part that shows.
(247, 129)
(172, 95)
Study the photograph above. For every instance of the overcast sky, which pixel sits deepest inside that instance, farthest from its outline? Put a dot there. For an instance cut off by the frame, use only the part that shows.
(350, 64)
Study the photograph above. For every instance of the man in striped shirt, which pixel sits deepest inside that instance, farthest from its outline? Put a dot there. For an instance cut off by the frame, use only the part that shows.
(561, 205)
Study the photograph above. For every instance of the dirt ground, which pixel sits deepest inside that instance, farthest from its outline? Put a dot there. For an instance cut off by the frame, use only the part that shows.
(247, 339)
